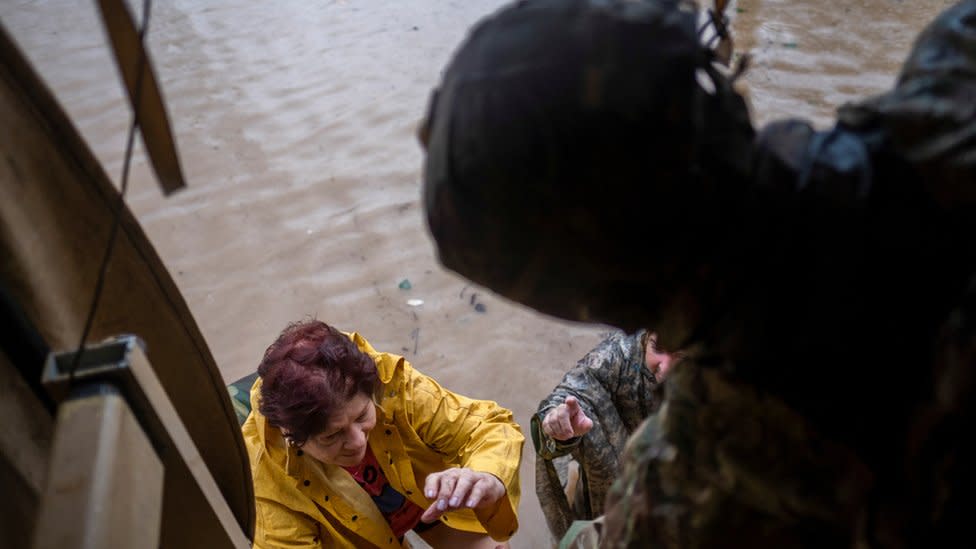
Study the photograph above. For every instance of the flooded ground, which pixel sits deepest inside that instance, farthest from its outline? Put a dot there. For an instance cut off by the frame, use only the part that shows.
(295, 121)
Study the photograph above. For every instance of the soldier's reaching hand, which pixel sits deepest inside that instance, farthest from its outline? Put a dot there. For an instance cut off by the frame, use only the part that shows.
(566, 421)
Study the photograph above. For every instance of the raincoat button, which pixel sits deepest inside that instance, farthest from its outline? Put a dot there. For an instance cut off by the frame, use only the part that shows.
(306, 483)
(300, 453)
(326, 498)
(354, 517)
(389, 432)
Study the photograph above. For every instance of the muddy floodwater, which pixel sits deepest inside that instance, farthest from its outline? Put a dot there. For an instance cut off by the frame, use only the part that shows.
(295, 121)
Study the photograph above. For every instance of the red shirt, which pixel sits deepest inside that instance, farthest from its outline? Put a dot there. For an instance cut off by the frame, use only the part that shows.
(401, 513)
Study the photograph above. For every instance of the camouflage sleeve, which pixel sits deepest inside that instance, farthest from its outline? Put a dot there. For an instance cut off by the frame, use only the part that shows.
(718, 456)
(596, 375)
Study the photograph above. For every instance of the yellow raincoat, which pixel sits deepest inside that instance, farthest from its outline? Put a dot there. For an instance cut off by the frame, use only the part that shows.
(421, 428)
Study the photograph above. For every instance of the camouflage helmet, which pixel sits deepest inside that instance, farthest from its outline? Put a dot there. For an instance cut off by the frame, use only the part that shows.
(559, 122)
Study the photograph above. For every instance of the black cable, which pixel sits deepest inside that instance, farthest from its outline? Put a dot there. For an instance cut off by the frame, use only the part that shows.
(100, 282)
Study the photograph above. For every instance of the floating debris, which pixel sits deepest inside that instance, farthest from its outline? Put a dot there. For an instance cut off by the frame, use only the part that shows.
(415, 302)
(480, 307)
(405, 284)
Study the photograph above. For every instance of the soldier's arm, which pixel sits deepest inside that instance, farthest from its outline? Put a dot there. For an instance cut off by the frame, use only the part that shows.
(593, 381)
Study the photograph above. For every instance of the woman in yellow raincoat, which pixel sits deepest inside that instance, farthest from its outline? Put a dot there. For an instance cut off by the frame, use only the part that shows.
(351, 447)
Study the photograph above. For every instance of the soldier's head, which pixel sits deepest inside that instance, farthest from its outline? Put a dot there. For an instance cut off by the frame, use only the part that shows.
(582, 156)
(658, 359)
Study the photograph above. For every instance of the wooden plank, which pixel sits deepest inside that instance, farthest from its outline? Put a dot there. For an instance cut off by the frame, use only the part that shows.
(187, 477)
(195, 513)
(130, 56)
(105, 482)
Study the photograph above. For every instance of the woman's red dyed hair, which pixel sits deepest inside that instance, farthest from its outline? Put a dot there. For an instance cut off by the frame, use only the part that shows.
(308, 372)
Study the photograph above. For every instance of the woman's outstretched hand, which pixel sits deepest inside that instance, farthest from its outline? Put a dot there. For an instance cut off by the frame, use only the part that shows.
(460, 488)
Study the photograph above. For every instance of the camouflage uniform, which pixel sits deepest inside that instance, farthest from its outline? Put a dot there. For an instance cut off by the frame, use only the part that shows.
(731, 461)
(617, 391)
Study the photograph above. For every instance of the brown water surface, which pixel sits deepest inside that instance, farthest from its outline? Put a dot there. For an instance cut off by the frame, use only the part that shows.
(295, 121)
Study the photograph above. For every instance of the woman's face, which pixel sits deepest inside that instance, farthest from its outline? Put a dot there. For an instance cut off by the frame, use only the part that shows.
(343, 442)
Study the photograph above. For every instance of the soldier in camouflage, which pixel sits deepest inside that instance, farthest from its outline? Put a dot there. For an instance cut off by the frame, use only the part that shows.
(825, 279)
(588, 417)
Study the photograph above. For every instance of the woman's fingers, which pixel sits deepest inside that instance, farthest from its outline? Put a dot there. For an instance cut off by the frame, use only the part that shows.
(431, 514)
(439, 487)
(433, 487)
(457, 488)
(479, 492)
(461, 490)
(448, 482)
